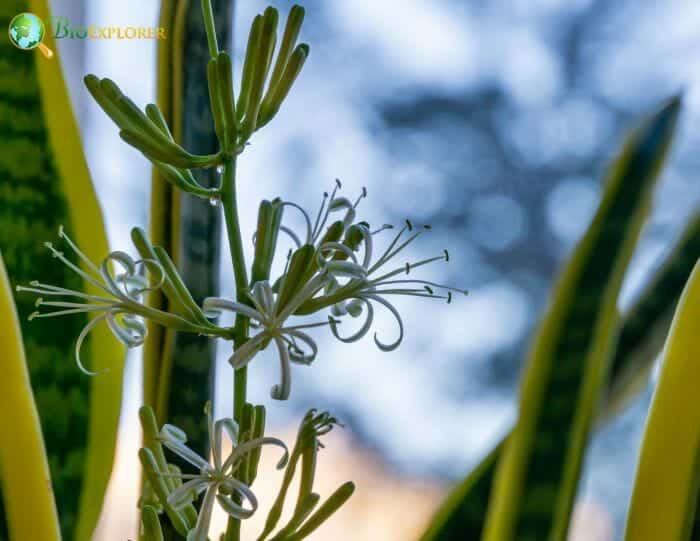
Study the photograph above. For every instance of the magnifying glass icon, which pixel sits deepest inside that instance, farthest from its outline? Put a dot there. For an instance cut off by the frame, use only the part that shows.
(27, 31)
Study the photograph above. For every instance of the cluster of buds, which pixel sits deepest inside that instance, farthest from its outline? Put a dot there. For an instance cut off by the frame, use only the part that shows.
(263, 89)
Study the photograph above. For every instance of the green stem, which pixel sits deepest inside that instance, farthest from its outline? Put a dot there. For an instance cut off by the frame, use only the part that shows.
(208, 15)
(240, 329)
(233, 229)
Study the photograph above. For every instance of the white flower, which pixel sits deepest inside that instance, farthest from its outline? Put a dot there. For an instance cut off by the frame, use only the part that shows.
(268, 317)
(118, 298)
(352, 284)
(216, 478)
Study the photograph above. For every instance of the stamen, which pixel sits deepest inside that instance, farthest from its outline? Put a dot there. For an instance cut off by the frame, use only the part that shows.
(425, 283)
(400, 270)
(320, 224)
(384, 227)
(388, 254)
(75, 248)
(316, 228)
(59, 255)
(46, 289)
(361, 197)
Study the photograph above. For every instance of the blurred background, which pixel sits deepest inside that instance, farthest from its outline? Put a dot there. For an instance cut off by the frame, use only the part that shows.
(490, 120)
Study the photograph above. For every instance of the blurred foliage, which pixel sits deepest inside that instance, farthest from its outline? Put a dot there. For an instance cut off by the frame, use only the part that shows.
(179, 367)
(538, 469)
(45, 183)
(24, 469)
(667, 477)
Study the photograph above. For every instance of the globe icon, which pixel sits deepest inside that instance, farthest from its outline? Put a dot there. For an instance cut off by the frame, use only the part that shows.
(26, 31)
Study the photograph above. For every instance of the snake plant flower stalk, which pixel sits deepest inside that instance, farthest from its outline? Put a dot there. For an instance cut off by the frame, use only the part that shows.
(216, 477)
(115, 297)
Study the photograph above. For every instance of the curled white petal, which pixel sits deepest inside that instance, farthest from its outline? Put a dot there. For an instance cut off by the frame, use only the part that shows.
(314, 285)
(128, 329)
(242, 355)
(187, 492)
(128, 266)
(393, 345)
(146, 283)
(280, 391)
(234, 509)
(214, 306)
(346, 269)
(79, 344)
(339, 309)
(333, 247)
(296, 354)
(201, 530)
(184, 452)
(263, 297)
(229, 426)
(173, 433)
(362, 331)
(239, 452)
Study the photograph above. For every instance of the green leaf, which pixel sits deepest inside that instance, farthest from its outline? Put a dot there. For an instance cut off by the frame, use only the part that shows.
(666, 485)
(45, 183)
(647, 322)
(538, 471)
(24, 468)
